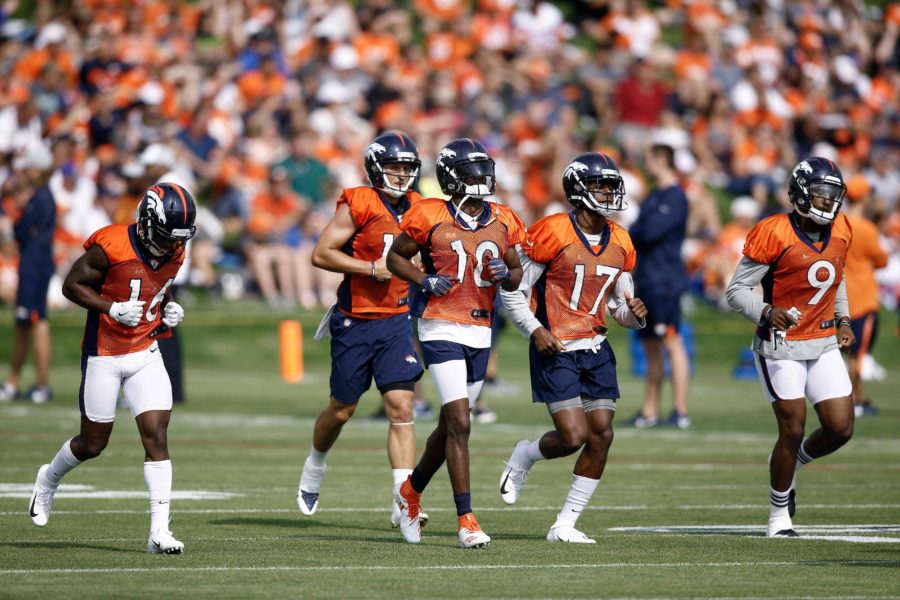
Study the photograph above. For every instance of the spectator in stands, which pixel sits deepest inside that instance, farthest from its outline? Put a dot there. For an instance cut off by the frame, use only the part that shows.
(275, 212)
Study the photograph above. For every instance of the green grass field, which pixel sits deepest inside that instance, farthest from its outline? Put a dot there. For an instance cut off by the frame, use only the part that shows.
(678, 513)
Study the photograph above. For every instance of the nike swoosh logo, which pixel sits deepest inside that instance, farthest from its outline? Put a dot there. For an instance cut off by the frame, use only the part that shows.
(122, 314)
(503, 485)
(154, 349)
(31, 508)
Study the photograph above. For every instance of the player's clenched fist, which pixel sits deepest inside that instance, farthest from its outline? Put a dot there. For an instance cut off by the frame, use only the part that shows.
(636, 306)
(127, 313)
(437, 285)
(497, 271)
(173, 314)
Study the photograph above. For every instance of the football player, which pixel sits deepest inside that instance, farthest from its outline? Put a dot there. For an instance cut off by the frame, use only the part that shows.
(468, 248)
(802, 325)
(370, 328)
(122, 280)
(575, 265)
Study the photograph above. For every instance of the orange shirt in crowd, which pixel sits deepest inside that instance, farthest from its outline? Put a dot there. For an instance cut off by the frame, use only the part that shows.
(692, 65)
(863, 259)
(377, 48)
(442, 10)
(266, 210)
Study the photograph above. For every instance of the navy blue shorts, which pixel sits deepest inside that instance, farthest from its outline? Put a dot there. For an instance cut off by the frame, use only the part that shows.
(576, 374)
(31, 298)
(865, 329)
(663, 316)
(441, 351)
(365, 348)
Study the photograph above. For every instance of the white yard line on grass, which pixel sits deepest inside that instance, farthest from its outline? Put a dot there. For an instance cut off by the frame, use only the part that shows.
(614, 508)
(406, 568)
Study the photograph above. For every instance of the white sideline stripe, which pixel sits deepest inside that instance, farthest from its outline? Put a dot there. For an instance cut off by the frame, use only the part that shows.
(863, 527)
(346, 568)
(809, 532)
(626, 508)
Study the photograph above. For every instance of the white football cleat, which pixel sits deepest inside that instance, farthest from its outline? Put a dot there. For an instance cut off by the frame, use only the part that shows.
(407, 500)
(310, 479)
(780, 527)
(41, 499)
(395, 516)
(514, 475)
(567, 533)
(470, 533)
(163, 542)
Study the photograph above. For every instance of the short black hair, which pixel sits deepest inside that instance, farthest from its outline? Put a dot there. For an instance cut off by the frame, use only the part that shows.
(665, 152)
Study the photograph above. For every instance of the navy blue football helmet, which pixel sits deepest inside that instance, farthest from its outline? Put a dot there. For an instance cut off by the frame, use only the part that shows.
(165, 219)
(817, 177)
(392, 147)
(464, 168)
(593, 168)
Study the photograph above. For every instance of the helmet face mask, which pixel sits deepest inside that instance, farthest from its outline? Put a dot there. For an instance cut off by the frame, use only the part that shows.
(388, 150)
(464, 168)
(817, 190)
(165, 220)
(592, 180)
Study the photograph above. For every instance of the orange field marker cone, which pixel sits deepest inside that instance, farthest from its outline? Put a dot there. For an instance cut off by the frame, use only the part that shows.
(290, 336)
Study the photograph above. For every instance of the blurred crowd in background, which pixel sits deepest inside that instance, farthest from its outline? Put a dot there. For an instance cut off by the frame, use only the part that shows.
(263, 110)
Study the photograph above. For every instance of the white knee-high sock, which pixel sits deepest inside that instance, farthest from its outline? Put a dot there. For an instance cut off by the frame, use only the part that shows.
(158, 476)
(579, 495)
(316, 458)
(62, 463)
(533, 451)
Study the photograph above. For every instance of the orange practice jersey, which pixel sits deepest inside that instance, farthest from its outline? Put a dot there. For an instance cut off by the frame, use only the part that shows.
(131, 276)
(377, 225)
(864, 257)
(802, 273)
(451, 248)
(570, 297)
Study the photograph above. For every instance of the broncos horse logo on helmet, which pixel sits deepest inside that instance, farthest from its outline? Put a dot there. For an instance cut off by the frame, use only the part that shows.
(165, 220)
(465, 168)
(392, 147)
(817, 177)
(593, 168)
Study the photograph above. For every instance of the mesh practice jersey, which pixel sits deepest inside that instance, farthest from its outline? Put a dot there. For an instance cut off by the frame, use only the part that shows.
(377, 226)
(802, 273)
(132, 275)
(452, 248)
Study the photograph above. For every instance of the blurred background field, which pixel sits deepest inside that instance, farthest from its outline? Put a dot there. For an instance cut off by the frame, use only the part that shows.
(239, 441)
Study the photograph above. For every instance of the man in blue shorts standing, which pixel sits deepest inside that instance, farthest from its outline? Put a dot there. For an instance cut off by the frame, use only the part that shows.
(34, 234)
(660, 280)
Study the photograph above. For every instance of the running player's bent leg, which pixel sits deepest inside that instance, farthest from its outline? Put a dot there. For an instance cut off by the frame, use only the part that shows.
(571, 429)
(330, 422)
(791, 418)
(592, 460)
(836, 417)
(829, 389)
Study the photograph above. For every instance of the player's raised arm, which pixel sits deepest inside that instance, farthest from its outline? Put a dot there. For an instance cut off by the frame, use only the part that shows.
(329, 256)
